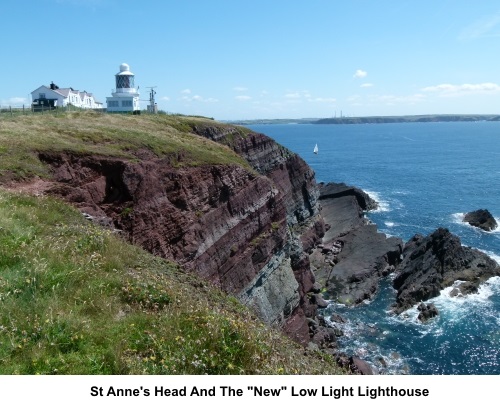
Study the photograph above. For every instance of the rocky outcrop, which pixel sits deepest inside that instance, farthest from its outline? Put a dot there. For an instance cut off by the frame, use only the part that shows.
(437, 261)
(481, 219)
(228, 224)
(336, 190)
(354, 255)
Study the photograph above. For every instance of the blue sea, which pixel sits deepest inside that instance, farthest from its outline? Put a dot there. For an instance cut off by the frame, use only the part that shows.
(425, 176)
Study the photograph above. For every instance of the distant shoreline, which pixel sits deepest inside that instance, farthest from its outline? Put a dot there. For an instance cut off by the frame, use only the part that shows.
(374, 119)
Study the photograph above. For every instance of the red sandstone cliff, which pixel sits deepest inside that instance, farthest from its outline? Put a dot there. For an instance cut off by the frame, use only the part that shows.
(237, 227)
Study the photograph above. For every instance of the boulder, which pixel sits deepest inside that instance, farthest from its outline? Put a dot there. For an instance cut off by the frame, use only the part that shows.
(481, 219)
(359, 366)
(337, 318)
(427, 311)
(463, 289)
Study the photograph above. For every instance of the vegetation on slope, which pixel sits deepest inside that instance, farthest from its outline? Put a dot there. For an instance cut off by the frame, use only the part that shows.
(87, 132)
(77, 299)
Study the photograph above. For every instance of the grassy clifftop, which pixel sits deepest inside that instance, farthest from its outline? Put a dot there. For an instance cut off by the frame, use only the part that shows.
(77, 299)
(21, 137)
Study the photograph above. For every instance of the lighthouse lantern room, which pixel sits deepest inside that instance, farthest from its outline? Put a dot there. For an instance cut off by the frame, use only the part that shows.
(125, 98)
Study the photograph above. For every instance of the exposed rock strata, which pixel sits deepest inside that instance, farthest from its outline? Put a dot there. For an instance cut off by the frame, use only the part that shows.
(481, 219)
(235, 227)
(437, 261)
(354, 255)
(336, 190)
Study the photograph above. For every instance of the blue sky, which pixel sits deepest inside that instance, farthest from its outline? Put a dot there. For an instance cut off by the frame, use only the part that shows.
(262, 58)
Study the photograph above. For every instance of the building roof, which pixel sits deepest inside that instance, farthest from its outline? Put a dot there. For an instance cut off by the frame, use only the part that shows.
(63, 92)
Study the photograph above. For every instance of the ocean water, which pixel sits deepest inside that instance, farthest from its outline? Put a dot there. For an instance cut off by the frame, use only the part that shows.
(425, 176)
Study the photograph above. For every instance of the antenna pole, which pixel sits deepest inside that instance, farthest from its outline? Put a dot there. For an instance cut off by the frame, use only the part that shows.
(152, 107)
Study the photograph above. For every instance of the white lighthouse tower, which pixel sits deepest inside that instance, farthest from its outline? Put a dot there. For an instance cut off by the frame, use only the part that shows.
(125, 98)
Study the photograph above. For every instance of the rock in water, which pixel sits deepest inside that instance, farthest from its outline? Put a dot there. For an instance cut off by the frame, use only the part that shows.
(435, 262)
(481, 219)
(427, 311)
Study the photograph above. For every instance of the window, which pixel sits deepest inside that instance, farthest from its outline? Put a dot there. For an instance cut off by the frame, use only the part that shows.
(112, 103)
(41, 95)
(127, 103)
(125, 82)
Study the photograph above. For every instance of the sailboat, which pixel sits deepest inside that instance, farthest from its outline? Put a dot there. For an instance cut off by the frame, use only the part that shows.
(316, 149)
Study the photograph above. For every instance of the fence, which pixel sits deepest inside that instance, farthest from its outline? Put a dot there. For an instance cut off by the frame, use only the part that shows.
(12, 111)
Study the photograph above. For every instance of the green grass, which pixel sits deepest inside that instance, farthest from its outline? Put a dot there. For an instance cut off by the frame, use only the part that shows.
(22, 138)
(76, 299)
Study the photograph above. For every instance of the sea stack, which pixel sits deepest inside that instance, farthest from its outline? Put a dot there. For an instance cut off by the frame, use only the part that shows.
(481, 219)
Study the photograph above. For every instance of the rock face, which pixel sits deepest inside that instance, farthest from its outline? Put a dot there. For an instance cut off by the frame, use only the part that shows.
(228, 224)
(336, 190)
(435, 262)
(481, 219)
(354, 255)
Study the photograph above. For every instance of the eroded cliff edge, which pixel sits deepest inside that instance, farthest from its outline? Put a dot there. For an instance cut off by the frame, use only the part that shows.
(237, 226)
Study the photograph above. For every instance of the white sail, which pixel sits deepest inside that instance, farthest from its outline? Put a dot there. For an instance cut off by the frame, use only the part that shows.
(316, 149)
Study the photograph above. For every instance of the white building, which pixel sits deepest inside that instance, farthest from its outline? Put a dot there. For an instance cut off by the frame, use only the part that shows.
(125, 98)
(54, 96)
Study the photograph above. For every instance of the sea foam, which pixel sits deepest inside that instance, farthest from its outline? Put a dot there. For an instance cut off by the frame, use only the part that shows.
(383, 205)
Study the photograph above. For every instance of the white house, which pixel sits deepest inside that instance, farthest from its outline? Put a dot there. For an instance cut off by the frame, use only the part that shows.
(125, 98)
(54, 96)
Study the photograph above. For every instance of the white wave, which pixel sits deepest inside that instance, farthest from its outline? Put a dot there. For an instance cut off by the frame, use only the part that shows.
(383, 205)
(388, 234)
(459, 307)
(485, 291)
(389, 224)
(497, 230)
(454, 308)
(458, 218)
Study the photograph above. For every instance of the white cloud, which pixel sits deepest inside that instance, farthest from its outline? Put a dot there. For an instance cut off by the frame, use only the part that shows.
(186, 91)
(243, 98)
(386, 99)
(454, 90)
(296, 95)
(240, 88)
(411, 99)
(199, 99)
(165, 98)
(365, 85)
(325, 100)
(486, 27)
(359, 74)
(14, 101)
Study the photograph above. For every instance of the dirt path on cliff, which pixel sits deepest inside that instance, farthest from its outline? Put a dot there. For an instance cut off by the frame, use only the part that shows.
(36, 187)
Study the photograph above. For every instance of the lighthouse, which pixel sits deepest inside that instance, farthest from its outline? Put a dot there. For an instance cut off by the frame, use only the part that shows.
(125, 97)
